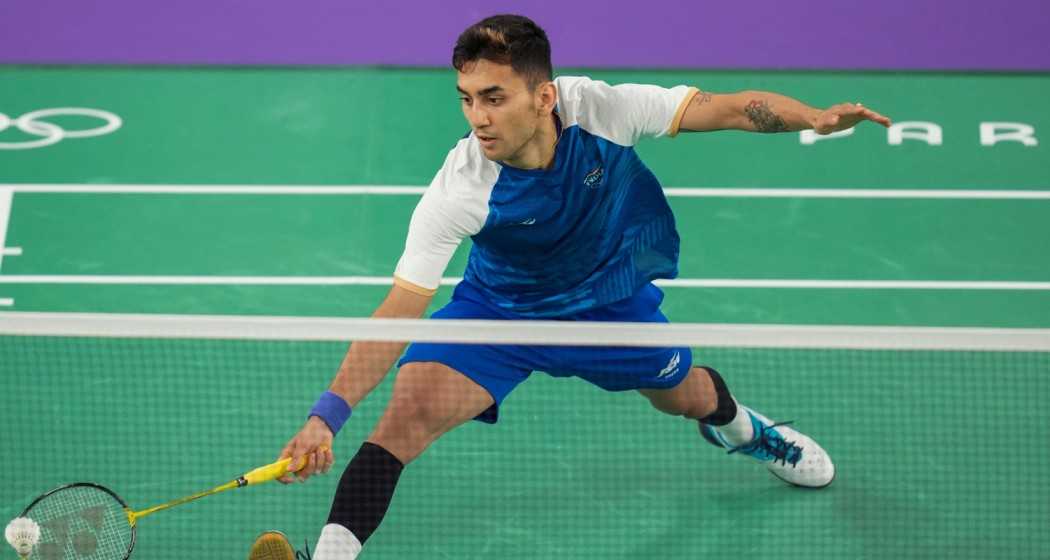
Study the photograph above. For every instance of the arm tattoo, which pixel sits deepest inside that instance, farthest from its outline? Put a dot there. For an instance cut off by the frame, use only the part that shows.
(701, 97)
(764, 119)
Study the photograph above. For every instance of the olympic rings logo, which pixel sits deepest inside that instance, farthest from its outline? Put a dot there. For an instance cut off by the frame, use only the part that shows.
(50, 133)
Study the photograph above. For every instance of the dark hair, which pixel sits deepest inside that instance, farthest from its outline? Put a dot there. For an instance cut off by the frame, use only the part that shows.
(507, 39)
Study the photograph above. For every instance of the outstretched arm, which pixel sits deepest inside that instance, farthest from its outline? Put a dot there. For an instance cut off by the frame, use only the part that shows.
(760, 111)
(365, 365)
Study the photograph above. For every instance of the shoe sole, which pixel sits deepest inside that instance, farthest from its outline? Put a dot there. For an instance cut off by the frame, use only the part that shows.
(271, 545)
(805, 487)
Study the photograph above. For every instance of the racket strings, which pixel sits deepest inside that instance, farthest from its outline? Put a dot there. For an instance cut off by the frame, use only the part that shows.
(81, 522)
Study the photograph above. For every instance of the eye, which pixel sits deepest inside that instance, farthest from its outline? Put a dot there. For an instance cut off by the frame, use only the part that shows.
(464, 99)
(495, 100)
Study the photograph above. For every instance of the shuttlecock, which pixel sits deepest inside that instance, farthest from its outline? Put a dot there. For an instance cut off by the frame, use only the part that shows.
(22, 533)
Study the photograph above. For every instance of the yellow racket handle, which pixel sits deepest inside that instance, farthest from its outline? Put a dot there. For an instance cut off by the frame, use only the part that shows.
(274, 470)
(259, 475)
(266, 473)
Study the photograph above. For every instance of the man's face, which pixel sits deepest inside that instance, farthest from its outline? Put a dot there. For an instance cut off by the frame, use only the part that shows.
(500, 108)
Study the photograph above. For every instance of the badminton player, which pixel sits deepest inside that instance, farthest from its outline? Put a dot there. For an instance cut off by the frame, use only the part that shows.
(567, 223)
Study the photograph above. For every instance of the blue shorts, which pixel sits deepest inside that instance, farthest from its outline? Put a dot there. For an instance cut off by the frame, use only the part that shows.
(500, 368)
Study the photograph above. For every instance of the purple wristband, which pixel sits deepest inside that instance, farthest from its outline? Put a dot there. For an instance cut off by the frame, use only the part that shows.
(333, 410)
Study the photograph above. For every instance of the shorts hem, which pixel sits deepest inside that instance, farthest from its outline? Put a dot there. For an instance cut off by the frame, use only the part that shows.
(491, 414)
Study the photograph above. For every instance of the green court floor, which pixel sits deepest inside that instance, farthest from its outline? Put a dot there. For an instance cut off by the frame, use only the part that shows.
(940, 454)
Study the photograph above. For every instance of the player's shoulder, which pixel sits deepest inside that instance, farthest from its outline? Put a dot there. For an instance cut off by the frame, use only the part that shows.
(466, 171)
(595, 106)
(621, 113)
(459, 194)
(575, 93)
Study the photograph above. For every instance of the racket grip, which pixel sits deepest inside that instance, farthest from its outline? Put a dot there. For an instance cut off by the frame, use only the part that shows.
(274, 470)
(267, 473)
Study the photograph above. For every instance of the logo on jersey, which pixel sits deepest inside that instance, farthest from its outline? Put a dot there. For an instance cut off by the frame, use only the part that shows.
(528, 222)
(594, 178)
(672, 366)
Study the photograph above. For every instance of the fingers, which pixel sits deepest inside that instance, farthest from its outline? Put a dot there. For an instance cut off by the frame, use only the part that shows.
(306, 467)
(321, 460)
(876, 117)
(306, 461)
(318, 462)
(285, 453)
(310, 452)
(315, 464)
(844, 109)
(297, 467)
(860, 110)
(329, 459)
(865, 113)
(847, 115)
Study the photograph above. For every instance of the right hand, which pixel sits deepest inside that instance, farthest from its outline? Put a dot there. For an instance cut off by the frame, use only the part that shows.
(312, 445)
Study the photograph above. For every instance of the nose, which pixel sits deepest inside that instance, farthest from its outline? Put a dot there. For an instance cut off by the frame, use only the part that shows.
(477, 116)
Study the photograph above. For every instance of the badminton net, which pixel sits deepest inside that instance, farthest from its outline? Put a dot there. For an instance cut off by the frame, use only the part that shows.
(939, 437)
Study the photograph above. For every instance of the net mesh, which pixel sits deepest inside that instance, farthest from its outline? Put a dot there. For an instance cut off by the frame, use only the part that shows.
(938, 452)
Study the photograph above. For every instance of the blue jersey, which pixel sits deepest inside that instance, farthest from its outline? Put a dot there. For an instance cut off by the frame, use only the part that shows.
(589, 231)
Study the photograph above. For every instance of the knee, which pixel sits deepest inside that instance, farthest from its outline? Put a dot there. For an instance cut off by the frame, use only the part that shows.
(414, 416)
(676, 405)
(692, 408)
(706, 399)
(693, 398)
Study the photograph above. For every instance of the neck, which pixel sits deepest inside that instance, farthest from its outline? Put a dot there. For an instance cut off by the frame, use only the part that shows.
(538, 152)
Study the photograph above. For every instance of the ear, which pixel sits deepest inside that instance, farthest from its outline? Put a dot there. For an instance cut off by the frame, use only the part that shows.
(546, 98)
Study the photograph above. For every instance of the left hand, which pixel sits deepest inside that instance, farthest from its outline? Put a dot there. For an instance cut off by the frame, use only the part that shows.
(844, 116)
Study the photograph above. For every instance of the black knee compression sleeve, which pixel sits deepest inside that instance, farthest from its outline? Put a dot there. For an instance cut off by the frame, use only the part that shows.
(725, 409)
(365, 490)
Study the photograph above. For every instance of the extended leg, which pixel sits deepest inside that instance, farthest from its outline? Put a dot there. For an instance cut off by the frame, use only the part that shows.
(703, 396)
(788, 454)
(429, 399)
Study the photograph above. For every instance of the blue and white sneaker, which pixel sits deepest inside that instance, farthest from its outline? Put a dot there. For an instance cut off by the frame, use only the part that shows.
(789, 454)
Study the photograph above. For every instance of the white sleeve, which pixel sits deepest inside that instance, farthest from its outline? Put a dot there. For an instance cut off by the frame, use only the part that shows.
(624, 113)
(447, 213)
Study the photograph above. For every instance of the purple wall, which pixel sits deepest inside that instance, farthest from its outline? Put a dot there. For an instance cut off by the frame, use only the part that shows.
(834, 34)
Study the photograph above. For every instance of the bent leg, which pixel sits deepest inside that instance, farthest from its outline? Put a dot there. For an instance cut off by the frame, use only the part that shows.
(429, 399)
(703, 396)
(695, 397)
(787, 453)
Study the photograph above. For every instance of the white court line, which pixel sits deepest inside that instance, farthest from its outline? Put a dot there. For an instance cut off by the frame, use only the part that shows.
(859, 193)
(451, 281)
(401, 190)
(6, 195)
(853, 284)
(389, 190)
(416, 190)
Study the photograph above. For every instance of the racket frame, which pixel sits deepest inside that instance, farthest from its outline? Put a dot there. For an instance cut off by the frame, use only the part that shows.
(123, 504)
